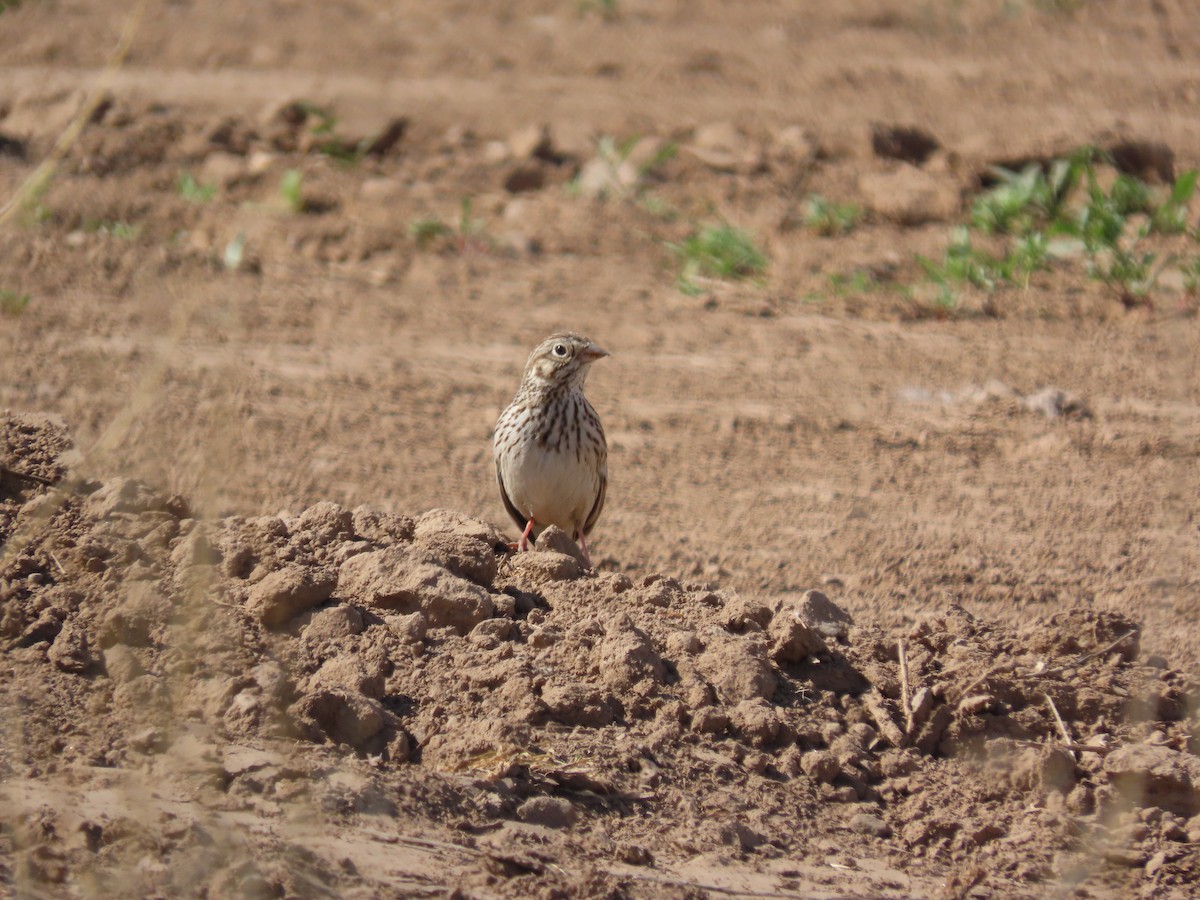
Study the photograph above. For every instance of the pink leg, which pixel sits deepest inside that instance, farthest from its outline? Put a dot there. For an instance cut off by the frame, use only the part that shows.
(583, 546)
(523, 543)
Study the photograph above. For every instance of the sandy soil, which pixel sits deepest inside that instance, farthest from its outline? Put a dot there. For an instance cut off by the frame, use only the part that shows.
(260, 630)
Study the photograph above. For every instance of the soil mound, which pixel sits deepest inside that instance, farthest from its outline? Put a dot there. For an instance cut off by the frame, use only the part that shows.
(353, 702)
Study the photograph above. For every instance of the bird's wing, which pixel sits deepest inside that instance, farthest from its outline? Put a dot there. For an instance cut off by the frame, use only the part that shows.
(508, 504)
(590, 522)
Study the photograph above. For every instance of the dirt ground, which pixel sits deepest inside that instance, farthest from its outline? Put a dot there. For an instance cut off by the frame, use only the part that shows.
(892, 598)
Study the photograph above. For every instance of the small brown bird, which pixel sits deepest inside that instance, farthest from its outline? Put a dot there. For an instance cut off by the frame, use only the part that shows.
(551, 456)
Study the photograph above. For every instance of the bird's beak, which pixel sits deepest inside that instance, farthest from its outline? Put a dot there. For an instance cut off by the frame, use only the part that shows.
(592, 353)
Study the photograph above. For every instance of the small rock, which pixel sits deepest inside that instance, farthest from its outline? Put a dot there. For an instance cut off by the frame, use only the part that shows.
(865, 823)
(710, 720)
(327, 522)
(539, 566)
(465, 556)
(492, 631)
(452, 520)
(741, 836)
(121, 664)
(410, 628)
(143, 611)
(344, 717)
(794, 640)
(352, 672)
(532, 142)
(556, 540)
(722, 147)
(626, 656)
(757, 721)
(289, 591)
(381, 527)
(579, 704)
(392, 580)
(824, 616)
(820, 765)
(910, 196)
(124, 495)
(1156, 776)
(69, 651)
(334, 623)
(737, 666)
(551, 812)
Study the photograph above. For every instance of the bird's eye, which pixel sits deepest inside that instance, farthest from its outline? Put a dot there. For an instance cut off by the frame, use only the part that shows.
(560, 350)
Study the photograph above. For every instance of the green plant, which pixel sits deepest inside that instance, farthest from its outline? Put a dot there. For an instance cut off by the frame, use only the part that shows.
(1130, 273)
(329, 143)
(623, 171)
(291, 189)
(1024, 200)
(123, 230)
(193, 191)
(428, 229)
(1171, 217)
(12, 303)
(961, 264)
(718, 251)
(828, 218)
(468, 234)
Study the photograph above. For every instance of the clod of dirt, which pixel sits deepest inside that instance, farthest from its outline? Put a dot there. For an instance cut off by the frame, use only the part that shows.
(824, 616)
(910, 196)
(907, 144)
(395, 581)
(721, 146)
(1154, 775)
(736, 666)
(552, 812)
(284, 594)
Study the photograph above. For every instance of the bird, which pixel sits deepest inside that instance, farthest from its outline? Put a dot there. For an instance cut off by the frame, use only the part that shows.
(549, 445)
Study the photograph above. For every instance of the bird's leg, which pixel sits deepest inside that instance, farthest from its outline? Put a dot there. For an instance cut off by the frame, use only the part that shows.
(523, 543)
(583, 546)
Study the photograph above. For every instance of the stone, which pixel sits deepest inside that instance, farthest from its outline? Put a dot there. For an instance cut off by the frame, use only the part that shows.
(392, 580)
(793, 640)
(551, 812)
(909, 196)
(341, 716)
(1153, 775)
(865, 823)
(287, 592)
(824, 616)
(539, 566)
(736, 666)
(334, 623)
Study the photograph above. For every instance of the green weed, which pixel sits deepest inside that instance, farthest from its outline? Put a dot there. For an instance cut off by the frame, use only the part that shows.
(828, 218)
(1171, 217)
(468, 234)
(1132, 274)
(12, 303)
(126, 231)
(291, 189)
(1024, 200)
(193, 191)
(718, 251)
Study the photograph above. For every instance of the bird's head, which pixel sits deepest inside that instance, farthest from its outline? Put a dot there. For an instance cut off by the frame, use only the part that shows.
(562, 360)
